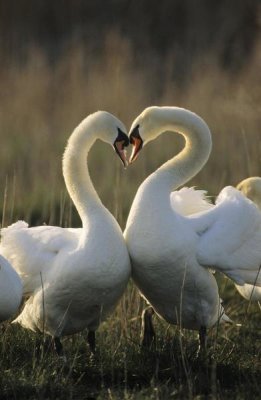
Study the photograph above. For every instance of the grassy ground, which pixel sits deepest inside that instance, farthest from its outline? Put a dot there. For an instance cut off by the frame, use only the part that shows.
(40, 104)
(121, 369)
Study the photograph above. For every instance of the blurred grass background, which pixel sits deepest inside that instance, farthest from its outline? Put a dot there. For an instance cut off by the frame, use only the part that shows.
(60, 61)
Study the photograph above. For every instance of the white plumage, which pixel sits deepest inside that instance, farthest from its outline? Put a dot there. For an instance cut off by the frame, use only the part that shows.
(251, 188)
(74, 277)
(10, 290)
(188, 200)
(171, 253)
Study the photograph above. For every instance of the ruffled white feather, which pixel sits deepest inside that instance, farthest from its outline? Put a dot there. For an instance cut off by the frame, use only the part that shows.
(188, 201)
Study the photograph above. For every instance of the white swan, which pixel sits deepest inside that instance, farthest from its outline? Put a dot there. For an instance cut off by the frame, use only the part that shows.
(251, 188)
(170, 253)
(10, 290)
(75, 277)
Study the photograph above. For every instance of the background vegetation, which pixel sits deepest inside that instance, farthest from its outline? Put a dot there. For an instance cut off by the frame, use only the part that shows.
(60, 61)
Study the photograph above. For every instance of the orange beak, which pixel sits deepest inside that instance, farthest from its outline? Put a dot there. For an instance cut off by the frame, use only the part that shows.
(137, 146)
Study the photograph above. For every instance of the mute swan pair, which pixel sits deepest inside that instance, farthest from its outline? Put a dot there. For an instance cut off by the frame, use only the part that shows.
(171, 253)
(10, 290)
(74, 277)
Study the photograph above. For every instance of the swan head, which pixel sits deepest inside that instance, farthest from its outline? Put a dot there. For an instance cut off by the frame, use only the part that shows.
(144, 129)
(119, 145)
(111, 130)
(251, 188)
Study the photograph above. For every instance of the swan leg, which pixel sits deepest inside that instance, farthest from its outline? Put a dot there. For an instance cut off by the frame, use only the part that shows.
(43, 345)
(91, 341)
(47, 344)
(58, 346)
(202, 340)
(147, 330)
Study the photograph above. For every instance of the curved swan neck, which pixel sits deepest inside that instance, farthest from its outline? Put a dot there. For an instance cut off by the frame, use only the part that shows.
(194, 155)
(75, 170)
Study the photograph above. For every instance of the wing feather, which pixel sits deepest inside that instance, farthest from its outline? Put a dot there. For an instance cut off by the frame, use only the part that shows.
(32, 251)
(189, 200)
(230, 237)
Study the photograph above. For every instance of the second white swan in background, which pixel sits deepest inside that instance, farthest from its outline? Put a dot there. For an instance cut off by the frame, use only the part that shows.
(170, 253)
(251, 188)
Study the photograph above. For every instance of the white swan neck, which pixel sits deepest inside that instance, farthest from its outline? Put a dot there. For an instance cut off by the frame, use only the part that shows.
(76, 173)
(191, 159)
(154, 193)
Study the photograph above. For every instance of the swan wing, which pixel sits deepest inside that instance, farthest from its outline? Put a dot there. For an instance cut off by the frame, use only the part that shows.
(188, 200)
(230, 237)
(33, 251)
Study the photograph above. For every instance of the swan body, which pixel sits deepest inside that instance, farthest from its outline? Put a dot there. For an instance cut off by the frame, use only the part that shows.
(171, 253)
(10, 290)
(251, 188)
(74, 277)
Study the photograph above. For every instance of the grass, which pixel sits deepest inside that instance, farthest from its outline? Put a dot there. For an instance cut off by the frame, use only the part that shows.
(122, 370)
(40, 104)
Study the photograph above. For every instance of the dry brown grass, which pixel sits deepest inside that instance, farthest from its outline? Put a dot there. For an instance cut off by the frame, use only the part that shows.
(41, 103)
